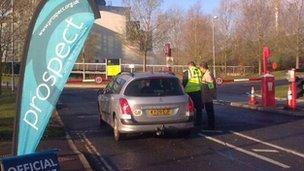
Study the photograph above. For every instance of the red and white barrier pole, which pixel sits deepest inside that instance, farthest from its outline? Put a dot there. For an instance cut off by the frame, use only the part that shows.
(241, 80)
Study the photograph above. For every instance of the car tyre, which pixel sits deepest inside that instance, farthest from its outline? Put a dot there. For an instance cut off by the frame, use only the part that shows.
(117, 135)
(102, 123)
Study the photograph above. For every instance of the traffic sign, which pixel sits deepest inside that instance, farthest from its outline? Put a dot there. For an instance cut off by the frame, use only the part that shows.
(98, 80)
(274, 65)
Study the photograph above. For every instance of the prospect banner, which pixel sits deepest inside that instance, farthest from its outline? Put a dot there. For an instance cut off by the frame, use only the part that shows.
(56, 37)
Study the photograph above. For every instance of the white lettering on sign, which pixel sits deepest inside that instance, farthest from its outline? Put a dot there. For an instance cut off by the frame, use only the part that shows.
(53, 73)
(36, 165)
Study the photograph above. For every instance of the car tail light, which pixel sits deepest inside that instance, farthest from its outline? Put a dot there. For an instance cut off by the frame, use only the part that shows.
(125, 107)
(190, 105)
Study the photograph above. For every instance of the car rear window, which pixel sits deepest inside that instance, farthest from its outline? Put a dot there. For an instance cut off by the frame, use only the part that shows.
(151, 87)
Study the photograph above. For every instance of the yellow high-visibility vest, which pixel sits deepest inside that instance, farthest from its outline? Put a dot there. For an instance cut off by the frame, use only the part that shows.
(194, 80)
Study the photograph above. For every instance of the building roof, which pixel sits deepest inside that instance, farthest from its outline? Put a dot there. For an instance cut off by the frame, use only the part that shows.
(114, 9)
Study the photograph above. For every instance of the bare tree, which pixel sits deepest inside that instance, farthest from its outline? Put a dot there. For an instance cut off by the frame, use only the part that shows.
(255, 25)
(226, 28)
(15, 17)
(299, 9)
(169, 30)
(5, 20)
(142, 24)
(197, 35)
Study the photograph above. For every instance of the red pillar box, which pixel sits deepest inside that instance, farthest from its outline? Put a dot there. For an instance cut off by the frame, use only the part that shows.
(268, 90)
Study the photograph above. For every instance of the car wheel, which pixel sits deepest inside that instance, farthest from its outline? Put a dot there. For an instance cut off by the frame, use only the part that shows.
(117, 134)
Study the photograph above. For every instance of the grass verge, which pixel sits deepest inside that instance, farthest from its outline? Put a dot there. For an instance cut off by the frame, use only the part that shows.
(7, 113)
(281, 91)
(8, 78)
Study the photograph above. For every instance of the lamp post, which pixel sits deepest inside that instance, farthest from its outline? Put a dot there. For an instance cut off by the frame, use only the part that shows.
(213, 44)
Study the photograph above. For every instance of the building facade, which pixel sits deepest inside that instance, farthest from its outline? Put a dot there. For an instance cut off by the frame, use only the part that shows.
(107, 39)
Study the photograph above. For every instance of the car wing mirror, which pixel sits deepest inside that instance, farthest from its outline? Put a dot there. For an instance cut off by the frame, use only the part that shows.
(108, 91)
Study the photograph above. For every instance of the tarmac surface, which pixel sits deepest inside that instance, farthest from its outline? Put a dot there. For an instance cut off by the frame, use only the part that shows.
(243, 140)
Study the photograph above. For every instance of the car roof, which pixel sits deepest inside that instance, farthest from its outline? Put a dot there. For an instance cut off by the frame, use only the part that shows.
(137, 75)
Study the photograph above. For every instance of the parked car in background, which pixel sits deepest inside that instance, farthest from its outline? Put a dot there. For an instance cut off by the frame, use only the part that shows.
(145, 102)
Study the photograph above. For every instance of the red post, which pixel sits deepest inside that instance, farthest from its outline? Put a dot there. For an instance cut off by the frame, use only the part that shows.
(169, 59)
(266, 55)
(268, 82)
(294, 95)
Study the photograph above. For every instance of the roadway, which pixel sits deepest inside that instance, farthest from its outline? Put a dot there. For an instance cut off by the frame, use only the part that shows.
(236, 92)
(244, 140)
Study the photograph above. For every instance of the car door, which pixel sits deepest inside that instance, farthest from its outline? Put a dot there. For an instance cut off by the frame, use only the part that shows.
(105, 100)
(114, 96)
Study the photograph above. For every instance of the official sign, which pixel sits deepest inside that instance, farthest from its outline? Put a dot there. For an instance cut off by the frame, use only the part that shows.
(44, 161)
(113, 67)
(56, 36)
(274, 65)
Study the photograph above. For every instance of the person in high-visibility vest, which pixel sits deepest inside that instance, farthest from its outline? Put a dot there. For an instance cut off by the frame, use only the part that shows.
(192, 82)
(208, 94)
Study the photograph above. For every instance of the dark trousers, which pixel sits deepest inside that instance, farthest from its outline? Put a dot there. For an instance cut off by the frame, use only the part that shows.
(197, 101)
(210, 113)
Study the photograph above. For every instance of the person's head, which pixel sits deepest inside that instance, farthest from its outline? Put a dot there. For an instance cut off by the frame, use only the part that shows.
(191, 64)
(204, 66)
(145, 83)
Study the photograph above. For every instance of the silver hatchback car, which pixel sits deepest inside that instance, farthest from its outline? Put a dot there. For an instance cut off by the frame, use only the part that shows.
(145, 102)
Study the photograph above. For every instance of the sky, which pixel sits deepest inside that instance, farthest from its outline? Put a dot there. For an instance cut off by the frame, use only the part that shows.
(208, 5)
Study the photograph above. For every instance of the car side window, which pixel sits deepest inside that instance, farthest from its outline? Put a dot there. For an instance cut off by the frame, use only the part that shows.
(110, 85)
(117, 85)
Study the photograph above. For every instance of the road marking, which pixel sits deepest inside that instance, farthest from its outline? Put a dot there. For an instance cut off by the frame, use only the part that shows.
(211, 131)
(246, 151)
(269, 144)
(84, 132)
(265, 150)
(96, 152)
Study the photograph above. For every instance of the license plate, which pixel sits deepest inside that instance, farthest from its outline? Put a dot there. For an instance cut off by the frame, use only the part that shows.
(160, 112)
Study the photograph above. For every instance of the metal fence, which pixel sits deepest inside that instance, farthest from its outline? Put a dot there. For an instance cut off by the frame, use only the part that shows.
(89, 70)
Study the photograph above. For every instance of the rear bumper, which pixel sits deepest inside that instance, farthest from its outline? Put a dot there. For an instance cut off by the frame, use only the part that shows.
(124, 128)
